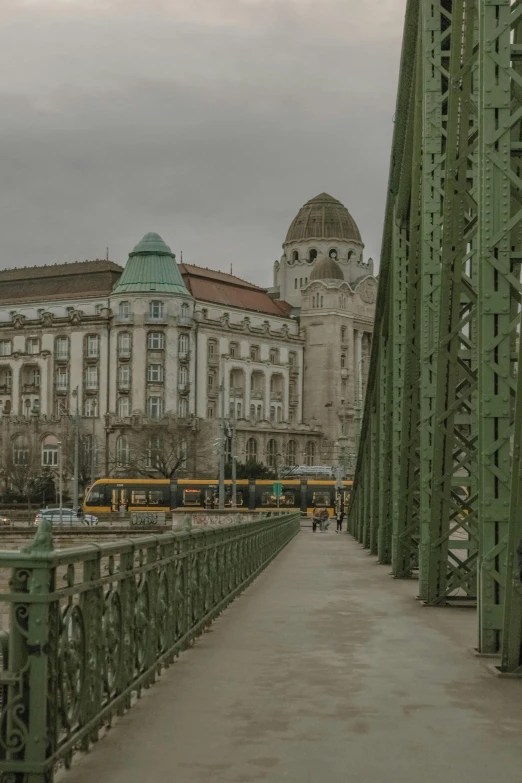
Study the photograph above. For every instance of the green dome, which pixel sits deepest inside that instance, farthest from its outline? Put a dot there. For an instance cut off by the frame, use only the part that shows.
(151, 244)
(151, 268)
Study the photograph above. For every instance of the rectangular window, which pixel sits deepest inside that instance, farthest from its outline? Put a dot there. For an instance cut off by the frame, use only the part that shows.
(62, 348)
(156, 341)
(211, 349)
(254, 353)
(93, 346)
(90, 407)
(191, 497)
(62, 378)
(273, 356)
(138, 497)
(124, 376)
(50, 456)
(156, 497)
(295, 283)
(155, 373)
(156, 311)
(211, 381)
(5, 347)
(210, 412)
(124, 345)
(155, 407)
(91, 378)
(33, 345)
(234, 350)
(124, 311)
(123, 406)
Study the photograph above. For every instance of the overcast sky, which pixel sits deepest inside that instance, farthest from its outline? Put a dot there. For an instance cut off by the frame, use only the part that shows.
(209, 121)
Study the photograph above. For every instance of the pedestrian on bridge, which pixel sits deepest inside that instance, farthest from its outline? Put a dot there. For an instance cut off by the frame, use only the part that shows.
(316, 518)
(339, 519)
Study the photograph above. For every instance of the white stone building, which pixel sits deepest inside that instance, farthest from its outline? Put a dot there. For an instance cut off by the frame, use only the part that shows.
(128, 350)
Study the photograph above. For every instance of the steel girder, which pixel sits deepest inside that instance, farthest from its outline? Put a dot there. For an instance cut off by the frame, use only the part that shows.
(439, 464)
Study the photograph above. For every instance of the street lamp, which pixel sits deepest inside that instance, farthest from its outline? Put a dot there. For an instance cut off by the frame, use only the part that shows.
(60, 479)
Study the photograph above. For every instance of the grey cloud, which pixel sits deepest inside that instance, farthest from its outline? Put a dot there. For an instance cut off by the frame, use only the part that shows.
(213, 136)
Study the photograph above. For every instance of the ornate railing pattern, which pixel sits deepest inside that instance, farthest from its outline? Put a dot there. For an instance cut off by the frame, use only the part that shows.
(91, 627)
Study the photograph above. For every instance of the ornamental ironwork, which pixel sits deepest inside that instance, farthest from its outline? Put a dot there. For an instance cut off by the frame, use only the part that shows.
(90, 627)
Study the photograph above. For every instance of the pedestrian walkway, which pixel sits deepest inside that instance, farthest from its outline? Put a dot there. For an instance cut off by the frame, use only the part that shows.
(324, 671)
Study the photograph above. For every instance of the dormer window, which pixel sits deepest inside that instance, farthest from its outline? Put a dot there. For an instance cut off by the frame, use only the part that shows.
(156, 310)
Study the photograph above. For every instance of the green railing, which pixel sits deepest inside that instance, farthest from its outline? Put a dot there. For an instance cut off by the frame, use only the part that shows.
(90, 627)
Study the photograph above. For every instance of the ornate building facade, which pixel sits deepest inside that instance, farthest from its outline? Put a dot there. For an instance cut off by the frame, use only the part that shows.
(119, 354)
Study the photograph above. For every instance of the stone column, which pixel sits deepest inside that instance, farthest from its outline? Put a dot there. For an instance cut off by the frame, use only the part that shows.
(358, 365)
(247, 375)
(267, 396)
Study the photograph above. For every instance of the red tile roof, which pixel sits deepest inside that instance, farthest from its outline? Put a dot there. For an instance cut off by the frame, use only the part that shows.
(209, 285)
(58, 281)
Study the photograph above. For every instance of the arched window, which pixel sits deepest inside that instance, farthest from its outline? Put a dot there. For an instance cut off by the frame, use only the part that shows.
(343, 334)
(156, 310)
(291, 453)
(343, 360)
(124, 311)
(271, 453)
(123, 406)
(20, 450)
(183, 407)
(310, 453)
(185, 310)
(295, 256)
(333, 253)
(183, 344)
(251, 450)
(124, 345)
(50, 452)
(154, 451)
(312, 255)
(122, 451)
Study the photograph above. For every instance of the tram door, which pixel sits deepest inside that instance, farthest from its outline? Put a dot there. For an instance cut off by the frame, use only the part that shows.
(119, 498)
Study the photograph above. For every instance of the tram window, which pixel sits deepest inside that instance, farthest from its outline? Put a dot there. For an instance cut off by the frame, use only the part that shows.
(96, 497)
(139, 497)
(288, 499)
(155, 497)
(228, 498)
(321, 499)
(191, 497)
(267, 499)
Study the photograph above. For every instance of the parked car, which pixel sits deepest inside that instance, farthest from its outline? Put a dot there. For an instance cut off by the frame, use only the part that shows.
(68, 516)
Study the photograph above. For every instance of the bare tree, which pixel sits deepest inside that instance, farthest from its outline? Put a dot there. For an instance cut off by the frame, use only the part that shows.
(164, 450)
(22, 468)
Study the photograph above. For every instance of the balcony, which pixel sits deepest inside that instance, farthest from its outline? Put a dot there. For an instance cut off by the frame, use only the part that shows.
(183, 388)
(212, 393)
(237, 391)
(276, 396)
(256, 394)
(184, 356)
(185, 320)
(91, 385)
(294, 398)
(213, 360)
(5, 388)
(62, 356)
(31, 388)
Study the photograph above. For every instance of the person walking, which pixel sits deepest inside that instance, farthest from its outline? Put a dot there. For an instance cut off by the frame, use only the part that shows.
(339, 520)
(316, 518)
(324, 520)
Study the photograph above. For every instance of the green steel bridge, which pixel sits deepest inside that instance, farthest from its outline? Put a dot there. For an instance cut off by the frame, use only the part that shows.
(438, 479)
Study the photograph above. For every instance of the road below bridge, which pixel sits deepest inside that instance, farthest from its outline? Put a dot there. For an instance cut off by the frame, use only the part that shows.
(324, 671)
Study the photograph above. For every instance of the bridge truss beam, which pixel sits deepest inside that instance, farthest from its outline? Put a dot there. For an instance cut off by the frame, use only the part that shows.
(438, 479)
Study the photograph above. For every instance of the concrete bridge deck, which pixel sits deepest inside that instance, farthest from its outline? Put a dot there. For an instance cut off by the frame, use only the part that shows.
(324, 671)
